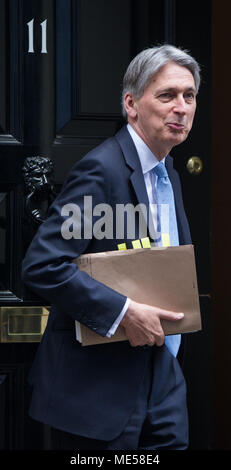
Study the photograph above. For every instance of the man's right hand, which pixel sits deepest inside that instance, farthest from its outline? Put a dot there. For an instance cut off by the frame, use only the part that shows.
(143, 326)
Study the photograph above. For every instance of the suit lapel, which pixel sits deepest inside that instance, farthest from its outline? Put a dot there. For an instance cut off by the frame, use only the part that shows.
(170, 170)
(183, 227)
(133, 162)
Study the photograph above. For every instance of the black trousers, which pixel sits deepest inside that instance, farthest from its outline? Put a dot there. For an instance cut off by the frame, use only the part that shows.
(159, 419)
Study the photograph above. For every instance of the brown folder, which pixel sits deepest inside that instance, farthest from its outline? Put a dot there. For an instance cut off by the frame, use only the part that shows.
(159, 276)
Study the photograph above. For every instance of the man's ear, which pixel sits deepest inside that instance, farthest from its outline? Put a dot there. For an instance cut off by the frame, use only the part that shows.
(130, 105)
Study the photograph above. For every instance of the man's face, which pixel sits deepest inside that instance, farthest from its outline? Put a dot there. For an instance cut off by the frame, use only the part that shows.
(163, 116)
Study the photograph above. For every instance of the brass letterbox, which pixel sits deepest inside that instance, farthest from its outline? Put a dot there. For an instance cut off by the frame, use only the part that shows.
(22, 324)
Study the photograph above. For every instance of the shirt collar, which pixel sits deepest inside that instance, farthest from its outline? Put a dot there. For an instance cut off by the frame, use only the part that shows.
(147, 159)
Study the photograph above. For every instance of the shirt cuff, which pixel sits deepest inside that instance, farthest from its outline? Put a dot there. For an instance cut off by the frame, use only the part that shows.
(118, 319)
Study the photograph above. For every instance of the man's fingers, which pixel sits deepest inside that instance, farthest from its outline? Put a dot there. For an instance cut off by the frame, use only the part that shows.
(168, 315)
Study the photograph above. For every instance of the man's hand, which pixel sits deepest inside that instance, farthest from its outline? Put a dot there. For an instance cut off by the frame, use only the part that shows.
(142, 324)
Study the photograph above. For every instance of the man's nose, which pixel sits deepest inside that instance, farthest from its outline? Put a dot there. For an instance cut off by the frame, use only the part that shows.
(180, 105)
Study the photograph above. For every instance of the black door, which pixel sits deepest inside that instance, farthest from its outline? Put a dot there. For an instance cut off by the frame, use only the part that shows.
(62, 64)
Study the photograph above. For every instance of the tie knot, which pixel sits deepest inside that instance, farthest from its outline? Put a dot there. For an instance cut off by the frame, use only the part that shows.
(160, 170)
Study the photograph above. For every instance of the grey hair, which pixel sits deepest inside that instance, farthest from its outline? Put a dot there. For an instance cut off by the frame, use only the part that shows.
(148, 62)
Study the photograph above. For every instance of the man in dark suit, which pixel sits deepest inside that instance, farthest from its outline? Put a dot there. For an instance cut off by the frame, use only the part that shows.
(130, 394)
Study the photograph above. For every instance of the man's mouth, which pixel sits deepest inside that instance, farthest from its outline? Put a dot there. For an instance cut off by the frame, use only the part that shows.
(176, 126)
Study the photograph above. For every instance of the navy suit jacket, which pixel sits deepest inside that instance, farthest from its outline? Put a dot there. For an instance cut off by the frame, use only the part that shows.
(91, 390)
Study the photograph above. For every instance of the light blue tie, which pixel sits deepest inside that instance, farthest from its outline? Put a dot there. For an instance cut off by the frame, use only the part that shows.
(167, 223)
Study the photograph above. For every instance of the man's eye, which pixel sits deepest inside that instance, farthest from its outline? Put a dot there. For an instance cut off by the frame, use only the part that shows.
(166, 96)
(189, 96)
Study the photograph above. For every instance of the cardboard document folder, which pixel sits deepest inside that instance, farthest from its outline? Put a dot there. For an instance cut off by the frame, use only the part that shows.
(160, 276)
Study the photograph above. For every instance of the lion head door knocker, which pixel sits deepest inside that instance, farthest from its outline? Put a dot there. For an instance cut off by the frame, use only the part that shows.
(39, 187)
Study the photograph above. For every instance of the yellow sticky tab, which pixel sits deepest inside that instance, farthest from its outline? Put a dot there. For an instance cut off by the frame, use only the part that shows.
(165, 239)
(136, 244)
(146, 242)
(122, 246)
